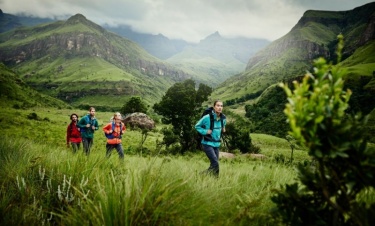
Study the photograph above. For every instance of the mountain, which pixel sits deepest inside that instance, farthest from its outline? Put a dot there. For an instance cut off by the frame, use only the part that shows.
(157, 45)
(211, 61)
(315, 35)
(215, 58)
(288, 58)
(82, 63)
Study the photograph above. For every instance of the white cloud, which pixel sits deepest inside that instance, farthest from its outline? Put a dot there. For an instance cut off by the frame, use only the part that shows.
(189, 20)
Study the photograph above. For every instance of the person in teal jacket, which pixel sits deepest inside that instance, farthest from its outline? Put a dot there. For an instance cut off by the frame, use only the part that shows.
(88, 125)
(211, 136)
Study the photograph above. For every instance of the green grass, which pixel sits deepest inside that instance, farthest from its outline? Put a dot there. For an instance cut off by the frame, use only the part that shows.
(153, 189)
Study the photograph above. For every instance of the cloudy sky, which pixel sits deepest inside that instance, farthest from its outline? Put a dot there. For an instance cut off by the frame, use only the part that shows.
(191, 20)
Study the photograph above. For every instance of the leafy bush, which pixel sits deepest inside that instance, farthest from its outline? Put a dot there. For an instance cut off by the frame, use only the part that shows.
(329, 191)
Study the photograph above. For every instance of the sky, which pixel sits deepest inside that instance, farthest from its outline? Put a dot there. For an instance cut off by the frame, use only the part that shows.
(189, 20)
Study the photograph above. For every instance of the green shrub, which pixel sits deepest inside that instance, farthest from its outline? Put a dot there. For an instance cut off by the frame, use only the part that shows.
(328, 191)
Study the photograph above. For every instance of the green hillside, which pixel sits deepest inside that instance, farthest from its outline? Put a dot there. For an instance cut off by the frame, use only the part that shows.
(312, 37)
(83, 64)
(15, 93)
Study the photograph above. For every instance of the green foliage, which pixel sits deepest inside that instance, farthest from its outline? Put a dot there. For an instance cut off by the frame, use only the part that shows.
(266, 114)
(135, 104)
(237, 136)
(180, 106)
(328, 191)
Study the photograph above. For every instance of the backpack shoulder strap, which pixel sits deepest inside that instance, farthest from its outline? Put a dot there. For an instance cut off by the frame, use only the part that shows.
(222, 117)
(211, 121)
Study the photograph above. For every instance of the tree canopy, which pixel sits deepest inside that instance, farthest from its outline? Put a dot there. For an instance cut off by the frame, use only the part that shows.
(135, 104)
(181, 107)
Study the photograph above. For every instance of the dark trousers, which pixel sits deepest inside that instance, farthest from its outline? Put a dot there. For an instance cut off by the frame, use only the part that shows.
(75, 147)
(118, 148)
(213, 155)
(87, 144)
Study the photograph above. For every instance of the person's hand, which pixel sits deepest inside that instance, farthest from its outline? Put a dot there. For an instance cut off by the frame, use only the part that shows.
(93, 127)
(88, 125)
(209, 131)
(111, 131)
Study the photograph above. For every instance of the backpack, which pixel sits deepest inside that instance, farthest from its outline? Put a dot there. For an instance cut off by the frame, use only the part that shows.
(110, 135)
(208, 111)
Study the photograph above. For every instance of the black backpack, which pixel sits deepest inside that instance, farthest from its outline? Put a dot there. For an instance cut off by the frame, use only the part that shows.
(208, 111)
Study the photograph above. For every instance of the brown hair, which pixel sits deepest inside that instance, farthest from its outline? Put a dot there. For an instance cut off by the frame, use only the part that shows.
(91, 108)
(71, 116)
(217, 101)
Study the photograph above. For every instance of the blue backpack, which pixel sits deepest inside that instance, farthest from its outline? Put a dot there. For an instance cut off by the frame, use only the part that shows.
(110, 135)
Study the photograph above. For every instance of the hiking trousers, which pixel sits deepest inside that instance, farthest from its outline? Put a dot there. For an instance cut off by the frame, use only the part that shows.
(75, 147)
(213, 155)
(87, 144)
(118, 148)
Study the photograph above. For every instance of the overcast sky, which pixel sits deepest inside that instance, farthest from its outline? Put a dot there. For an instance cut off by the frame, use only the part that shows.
(190, 20)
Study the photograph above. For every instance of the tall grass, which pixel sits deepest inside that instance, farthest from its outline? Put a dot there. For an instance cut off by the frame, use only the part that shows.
(44, 184)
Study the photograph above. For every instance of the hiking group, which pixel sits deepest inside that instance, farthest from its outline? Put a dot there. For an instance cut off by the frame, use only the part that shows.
(210, 126)
(83, 131)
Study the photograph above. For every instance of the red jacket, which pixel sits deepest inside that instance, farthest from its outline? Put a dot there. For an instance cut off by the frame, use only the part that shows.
(116, 132)
(73, 134)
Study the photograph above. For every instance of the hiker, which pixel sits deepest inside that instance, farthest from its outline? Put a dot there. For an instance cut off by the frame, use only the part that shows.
(113, 132)
(211, 135)
(73, 133)
(88, 125)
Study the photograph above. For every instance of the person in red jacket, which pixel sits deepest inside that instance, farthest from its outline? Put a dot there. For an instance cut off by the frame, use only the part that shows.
(114, 131)
(73, 134)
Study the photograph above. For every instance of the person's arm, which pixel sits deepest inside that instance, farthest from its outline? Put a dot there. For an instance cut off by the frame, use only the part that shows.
(108, 128)
(123, 127)
(203, 125)
(81, 123)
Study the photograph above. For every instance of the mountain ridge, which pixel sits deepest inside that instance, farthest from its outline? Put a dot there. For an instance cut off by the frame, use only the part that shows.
(291, 55)
(46, 55)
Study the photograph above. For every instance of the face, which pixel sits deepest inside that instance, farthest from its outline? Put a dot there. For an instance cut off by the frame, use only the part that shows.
(74, 118)
(218, 107)
(92, 112)
(117, 117)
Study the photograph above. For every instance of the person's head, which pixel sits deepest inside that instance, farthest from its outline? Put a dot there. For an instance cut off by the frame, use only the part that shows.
(218, 106)
(74, 117)
(92, 111)
(117, 117)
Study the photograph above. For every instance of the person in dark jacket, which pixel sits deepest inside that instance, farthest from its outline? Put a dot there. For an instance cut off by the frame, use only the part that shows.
(73, 133)
(88, 125)
(211, 138)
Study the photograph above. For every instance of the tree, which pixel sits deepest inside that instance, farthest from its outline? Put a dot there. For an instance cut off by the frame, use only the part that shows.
(135, 104)
(181, 107)
(330, 191)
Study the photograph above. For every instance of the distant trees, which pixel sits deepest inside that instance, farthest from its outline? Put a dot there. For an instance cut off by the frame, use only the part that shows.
(135, 104)
(181, 107)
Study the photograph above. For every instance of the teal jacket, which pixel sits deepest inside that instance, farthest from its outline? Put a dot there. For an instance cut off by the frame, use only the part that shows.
(87, 132)
(203, 125)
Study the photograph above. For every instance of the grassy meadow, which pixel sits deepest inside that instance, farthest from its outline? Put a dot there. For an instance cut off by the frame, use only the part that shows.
(43, 182)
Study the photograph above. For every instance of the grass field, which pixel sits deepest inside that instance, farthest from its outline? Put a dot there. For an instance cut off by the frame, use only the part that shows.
(43, 182)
